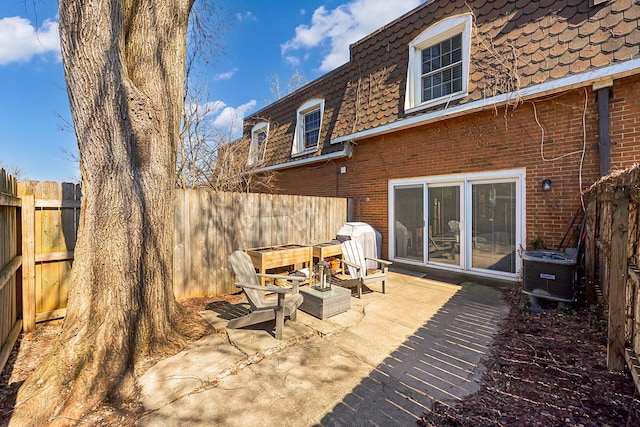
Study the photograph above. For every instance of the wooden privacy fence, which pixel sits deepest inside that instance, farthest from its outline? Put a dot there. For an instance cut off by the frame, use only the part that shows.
(612, 257)
(209, 226)
(10, 263)
(39, 223)
(50, 216)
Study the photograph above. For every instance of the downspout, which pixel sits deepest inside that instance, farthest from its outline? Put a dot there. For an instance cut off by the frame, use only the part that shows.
(603, 91)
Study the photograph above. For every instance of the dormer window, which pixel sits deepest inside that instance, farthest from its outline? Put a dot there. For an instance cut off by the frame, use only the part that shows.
(311, 128)
(442, 69)
(259, 135)
(308, 125)
(439, 64)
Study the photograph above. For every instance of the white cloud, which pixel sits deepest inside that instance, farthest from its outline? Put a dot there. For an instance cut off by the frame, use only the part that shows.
(200, 110)
(225, 76)
(230, 118)
(20, 41)
(246, 16)
(294, 61)
(213, 107)
(334, 30)
(225, 119)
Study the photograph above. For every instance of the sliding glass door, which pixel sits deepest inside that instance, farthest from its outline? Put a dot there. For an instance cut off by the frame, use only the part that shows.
(493, 225)
(472, 222)
(444, 224)
(409, 222)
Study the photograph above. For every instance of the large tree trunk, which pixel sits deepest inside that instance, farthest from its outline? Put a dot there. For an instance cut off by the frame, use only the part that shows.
(124, 67)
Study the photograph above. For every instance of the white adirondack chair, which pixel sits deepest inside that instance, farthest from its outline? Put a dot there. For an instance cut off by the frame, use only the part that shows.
(355, 267)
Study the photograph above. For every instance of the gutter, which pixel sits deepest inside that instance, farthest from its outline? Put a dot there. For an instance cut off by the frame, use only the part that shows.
(615, 71)
(346, 152)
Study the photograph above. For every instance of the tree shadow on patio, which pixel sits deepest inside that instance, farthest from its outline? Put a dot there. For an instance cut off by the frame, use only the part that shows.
(441, 361)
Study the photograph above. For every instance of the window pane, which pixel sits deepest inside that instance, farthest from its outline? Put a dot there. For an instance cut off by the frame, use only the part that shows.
(446, 59)
(311, 138)
(456, 55)
(436, 92)
(456, 41)
(493, 226)
(446, 75)
(436, 63)
(311, 128)
(426, 88)
(457, 71)
(442, 69)
(457, 85)
(446, 88)
(409, 226)
(312, 120)
(444, 224)
(426, 61)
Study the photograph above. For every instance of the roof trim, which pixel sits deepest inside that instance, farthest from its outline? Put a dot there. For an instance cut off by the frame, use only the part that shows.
(619, 70)
(346, 152)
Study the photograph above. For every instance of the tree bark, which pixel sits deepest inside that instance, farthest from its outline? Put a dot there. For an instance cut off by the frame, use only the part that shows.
(124, 67)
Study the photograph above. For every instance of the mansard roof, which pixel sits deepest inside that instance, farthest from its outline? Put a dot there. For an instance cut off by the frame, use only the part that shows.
(515, 45)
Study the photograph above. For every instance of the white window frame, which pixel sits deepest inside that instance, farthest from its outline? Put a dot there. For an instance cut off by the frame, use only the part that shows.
(466, 180)
(443, 30)
(256, 153)
(298, 147)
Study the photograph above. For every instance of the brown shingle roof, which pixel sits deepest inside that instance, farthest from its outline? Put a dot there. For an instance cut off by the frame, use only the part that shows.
(547, 39)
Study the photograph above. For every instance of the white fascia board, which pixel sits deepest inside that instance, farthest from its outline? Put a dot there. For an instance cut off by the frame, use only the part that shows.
(306, 161)
(616, 71)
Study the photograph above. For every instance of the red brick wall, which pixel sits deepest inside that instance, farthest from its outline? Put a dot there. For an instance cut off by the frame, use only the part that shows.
(624, 128)
(488, 141)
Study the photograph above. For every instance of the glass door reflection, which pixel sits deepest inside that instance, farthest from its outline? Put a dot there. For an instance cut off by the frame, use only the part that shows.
(493, 226)
(409, 222)
(444, 224)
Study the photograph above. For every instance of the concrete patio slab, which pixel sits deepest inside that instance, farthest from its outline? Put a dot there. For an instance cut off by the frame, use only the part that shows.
(202, 363)
(383, 362)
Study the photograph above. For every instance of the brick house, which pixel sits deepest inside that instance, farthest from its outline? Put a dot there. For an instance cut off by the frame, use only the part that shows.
(447, 124)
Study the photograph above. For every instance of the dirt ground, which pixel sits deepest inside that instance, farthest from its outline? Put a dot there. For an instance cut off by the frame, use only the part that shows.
(546, 369)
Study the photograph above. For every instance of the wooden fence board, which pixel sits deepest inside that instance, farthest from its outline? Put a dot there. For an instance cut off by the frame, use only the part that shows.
(54, 226)
(604, 235)
(7, 345)
(10, 265)
(282, 223)
(215, 225)
(210, 246)
(179, 242)
(195, 240)
(617, 280)
(208, 286)
(222, 248)
(28, 264)
(6, 200)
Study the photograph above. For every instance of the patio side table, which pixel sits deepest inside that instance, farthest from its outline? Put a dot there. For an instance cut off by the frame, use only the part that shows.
(323, 304)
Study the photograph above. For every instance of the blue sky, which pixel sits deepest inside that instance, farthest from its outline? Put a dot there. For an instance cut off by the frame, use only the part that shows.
(259, 39)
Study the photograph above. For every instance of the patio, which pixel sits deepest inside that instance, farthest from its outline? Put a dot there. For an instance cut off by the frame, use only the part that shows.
(389, 356)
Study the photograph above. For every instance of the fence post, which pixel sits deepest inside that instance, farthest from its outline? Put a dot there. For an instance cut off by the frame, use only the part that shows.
(590, 249)
(28, 264)
(618, 279)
